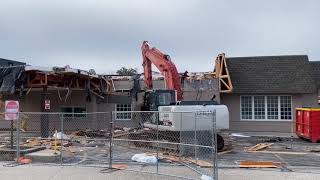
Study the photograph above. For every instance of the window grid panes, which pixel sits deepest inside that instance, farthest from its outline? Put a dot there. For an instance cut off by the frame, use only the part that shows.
(246, 107)
(272, 107)
(285, 107)
(124, 113)
(259, 107)
(266, 107)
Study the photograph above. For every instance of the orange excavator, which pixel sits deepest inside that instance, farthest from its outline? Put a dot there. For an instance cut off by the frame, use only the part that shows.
(169, 100)
(172, 93)
(165, 66)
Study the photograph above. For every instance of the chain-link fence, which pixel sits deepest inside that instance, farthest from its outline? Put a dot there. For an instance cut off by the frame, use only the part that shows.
(57, 138)
(180, 144)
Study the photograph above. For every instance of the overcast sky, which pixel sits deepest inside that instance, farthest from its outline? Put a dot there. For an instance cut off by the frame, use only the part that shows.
(107, 34)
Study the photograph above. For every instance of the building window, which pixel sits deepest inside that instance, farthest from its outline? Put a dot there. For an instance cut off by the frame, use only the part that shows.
(259, 107)
(74, 111)
(266, 107)
(246, 107)
(272, 107)
(285, 106)
(123, 112)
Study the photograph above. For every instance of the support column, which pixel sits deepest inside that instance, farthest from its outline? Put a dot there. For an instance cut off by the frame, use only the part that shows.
(44, 129)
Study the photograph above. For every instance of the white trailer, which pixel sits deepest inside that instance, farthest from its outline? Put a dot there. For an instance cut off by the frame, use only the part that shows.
(184, 120)
(191, 118)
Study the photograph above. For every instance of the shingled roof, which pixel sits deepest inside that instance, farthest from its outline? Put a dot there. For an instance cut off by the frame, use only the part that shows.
(315, 69)
(271, 74)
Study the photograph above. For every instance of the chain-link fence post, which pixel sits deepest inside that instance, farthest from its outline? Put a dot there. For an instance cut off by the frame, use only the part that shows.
(214, 146)
(180, 139)
(61, 139)
(195, 138)
(157, 117)
(18, 138)
(111, 139)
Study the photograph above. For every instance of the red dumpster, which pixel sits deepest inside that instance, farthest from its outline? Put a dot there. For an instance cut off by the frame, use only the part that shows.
(308, 123)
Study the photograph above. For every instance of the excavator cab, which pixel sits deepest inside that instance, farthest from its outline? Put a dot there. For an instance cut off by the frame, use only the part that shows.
(160, 97)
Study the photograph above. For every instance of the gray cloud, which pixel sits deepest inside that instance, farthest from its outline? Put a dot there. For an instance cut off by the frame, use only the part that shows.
(105, 35)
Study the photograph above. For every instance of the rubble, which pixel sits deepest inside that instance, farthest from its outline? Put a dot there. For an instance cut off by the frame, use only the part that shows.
(24, 160)
(91, 133)
(60, 135)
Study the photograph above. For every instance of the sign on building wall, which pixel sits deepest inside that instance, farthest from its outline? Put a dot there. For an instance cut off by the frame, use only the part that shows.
(11, 110)
(47, 104)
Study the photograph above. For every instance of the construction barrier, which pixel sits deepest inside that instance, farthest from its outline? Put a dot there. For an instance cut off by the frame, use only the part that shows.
(146, 142)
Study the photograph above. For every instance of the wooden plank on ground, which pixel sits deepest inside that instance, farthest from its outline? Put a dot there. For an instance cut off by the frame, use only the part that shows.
(260, 146)
(259, 164)
(201, 163)
(120, 166)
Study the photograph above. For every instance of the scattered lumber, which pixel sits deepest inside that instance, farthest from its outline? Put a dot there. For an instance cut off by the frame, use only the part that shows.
(201, 163)
(259, 164)
(120, 166)
(259, 146)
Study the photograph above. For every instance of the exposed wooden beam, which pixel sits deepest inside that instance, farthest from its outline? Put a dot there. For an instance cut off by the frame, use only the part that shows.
(221, 71)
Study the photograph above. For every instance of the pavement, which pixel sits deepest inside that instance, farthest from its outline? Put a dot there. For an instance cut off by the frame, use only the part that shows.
(31, 172)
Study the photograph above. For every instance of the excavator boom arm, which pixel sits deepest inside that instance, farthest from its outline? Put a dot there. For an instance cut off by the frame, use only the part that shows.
(165, 66)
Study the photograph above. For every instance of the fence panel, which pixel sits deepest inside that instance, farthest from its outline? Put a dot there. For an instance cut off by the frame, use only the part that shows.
(8, 140)
(179, 144)
(64, 138)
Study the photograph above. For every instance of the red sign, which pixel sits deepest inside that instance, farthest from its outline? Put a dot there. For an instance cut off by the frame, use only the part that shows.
(47, 104)
(11, 110)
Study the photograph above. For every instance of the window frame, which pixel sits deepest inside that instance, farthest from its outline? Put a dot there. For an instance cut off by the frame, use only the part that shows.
(123, 119)
(67, 115)
(266, 109)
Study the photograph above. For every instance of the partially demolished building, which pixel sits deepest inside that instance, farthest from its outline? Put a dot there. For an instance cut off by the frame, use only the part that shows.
(68, 90)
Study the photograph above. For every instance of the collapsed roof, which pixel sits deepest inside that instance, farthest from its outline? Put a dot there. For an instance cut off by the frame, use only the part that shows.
(25, 78)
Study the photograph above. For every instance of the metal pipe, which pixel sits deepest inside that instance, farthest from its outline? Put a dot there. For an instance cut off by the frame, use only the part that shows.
(157, 142)
(18, 139)
(111, 141)
(61, 157)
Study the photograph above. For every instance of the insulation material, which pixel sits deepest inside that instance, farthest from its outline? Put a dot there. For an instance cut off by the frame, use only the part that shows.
(143, 158)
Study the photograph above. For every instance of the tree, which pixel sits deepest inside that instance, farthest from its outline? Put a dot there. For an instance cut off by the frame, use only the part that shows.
(127, 71)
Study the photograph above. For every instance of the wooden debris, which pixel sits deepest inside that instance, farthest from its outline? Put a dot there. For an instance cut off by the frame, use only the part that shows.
(260, 146)
(120, 166)
(72, 150)
(201, 163)
(259, 164)
(24, 160)
(33, 142)
(315, 150)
